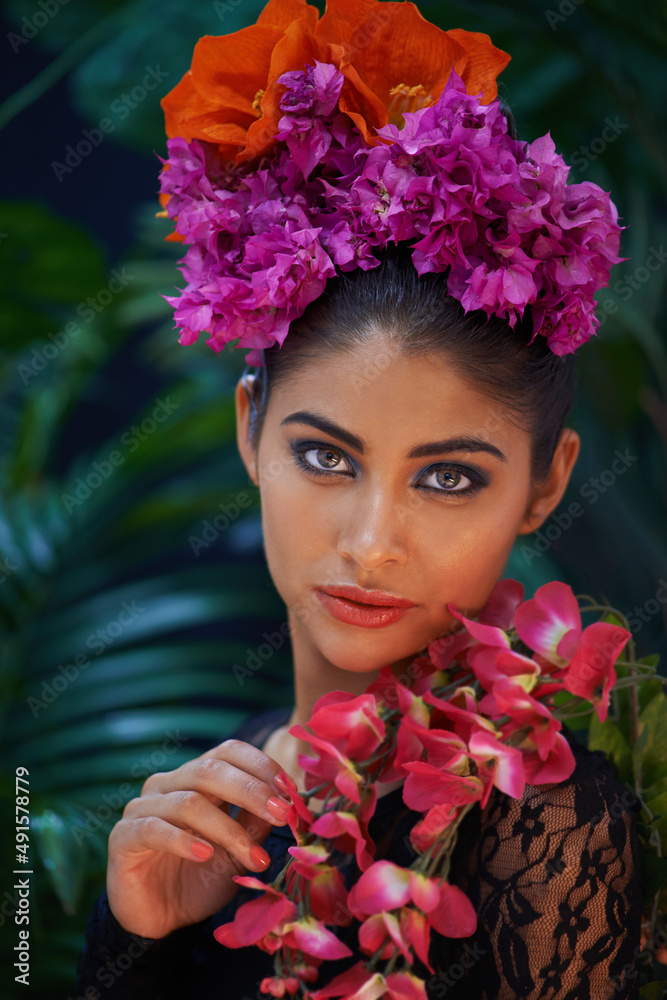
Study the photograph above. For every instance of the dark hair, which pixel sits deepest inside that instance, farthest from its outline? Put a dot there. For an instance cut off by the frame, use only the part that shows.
(533, 385)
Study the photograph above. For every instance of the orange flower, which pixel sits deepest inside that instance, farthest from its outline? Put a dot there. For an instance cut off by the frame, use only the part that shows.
(392, 58)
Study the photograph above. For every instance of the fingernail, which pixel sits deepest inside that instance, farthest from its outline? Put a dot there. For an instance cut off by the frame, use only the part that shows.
(281, 784)
(259, 857)
(278, 807)
(201, 850)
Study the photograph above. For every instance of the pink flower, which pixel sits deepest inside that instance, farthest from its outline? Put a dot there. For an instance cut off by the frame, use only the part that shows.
(488, 635)
(524, 710)
(351, 724)
(358, 984)
(491, 664)
(415, 929)
(558, 765)
(343, 828)
(502, 603)
(279, 987)
(454, 916)
(383, 927)
(299, 817)
(387, 886)
(326, 889)
(451, 711)
(427, 786)
(550, 623)
(502, 764)
(330, 766)
(429, 829)
(255, 920)
(308, 860)
(311, 937)
(591, 672)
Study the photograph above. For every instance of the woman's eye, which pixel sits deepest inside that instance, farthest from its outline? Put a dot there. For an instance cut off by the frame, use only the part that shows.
(449, 479)
(325, 460)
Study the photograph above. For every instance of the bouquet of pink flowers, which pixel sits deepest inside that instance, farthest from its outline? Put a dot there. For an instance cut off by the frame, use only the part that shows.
(482, 709)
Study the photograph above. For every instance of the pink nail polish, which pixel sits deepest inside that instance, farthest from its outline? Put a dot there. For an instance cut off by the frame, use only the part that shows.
(259, 857)
(201, 850)
(278, 807)
(281, 784)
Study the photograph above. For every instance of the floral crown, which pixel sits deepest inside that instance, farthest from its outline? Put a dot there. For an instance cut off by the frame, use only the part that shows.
(301, 146)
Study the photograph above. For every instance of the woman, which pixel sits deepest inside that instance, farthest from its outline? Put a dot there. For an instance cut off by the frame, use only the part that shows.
(401, 440)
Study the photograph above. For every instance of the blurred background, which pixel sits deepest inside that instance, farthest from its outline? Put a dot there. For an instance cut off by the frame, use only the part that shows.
(139, 623)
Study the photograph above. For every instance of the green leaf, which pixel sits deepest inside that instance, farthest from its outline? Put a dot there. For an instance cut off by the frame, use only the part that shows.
(608, 737)
(651, 749)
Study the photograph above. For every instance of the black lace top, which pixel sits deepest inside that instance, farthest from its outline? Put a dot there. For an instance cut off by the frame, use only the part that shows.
(554, 876)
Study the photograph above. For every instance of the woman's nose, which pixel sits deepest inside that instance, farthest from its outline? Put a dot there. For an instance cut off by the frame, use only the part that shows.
(372, 532)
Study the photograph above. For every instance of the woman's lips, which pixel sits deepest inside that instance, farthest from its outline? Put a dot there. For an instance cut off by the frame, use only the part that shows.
(368, 608)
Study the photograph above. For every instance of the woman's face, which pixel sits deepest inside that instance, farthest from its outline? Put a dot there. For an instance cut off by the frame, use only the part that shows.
(386, 472)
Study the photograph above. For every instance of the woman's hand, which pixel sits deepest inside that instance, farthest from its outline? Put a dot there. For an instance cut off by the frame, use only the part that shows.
(155, 881)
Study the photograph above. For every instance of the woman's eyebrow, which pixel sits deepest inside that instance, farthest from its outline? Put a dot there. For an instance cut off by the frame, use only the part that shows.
(463, 443)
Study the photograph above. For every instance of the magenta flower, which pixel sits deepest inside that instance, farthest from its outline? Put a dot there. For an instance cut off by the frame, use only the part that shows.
(344, 830)
(312, 938)
(501, 764)
(330, 766)
(351, 724)
(427, 786)
(491, 664)
(280, 986)
(299, 817)
(496, 213)
(429, 829)
(387, 886)
(454, 916)
(550, 623)
(502, 603)
(383, 927)
(267, 915)
(591, 673)
(358, 984)
(557, 766)
(511, 699)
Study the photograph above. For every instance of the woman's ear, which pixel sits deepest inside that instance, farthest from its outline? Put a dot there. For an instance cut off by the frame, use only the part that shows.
(242, 399)
(547, 494)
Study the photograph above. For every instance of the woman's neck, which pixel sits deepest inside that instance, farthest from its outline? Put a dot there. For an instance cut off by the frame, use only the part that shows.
(314, 676)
